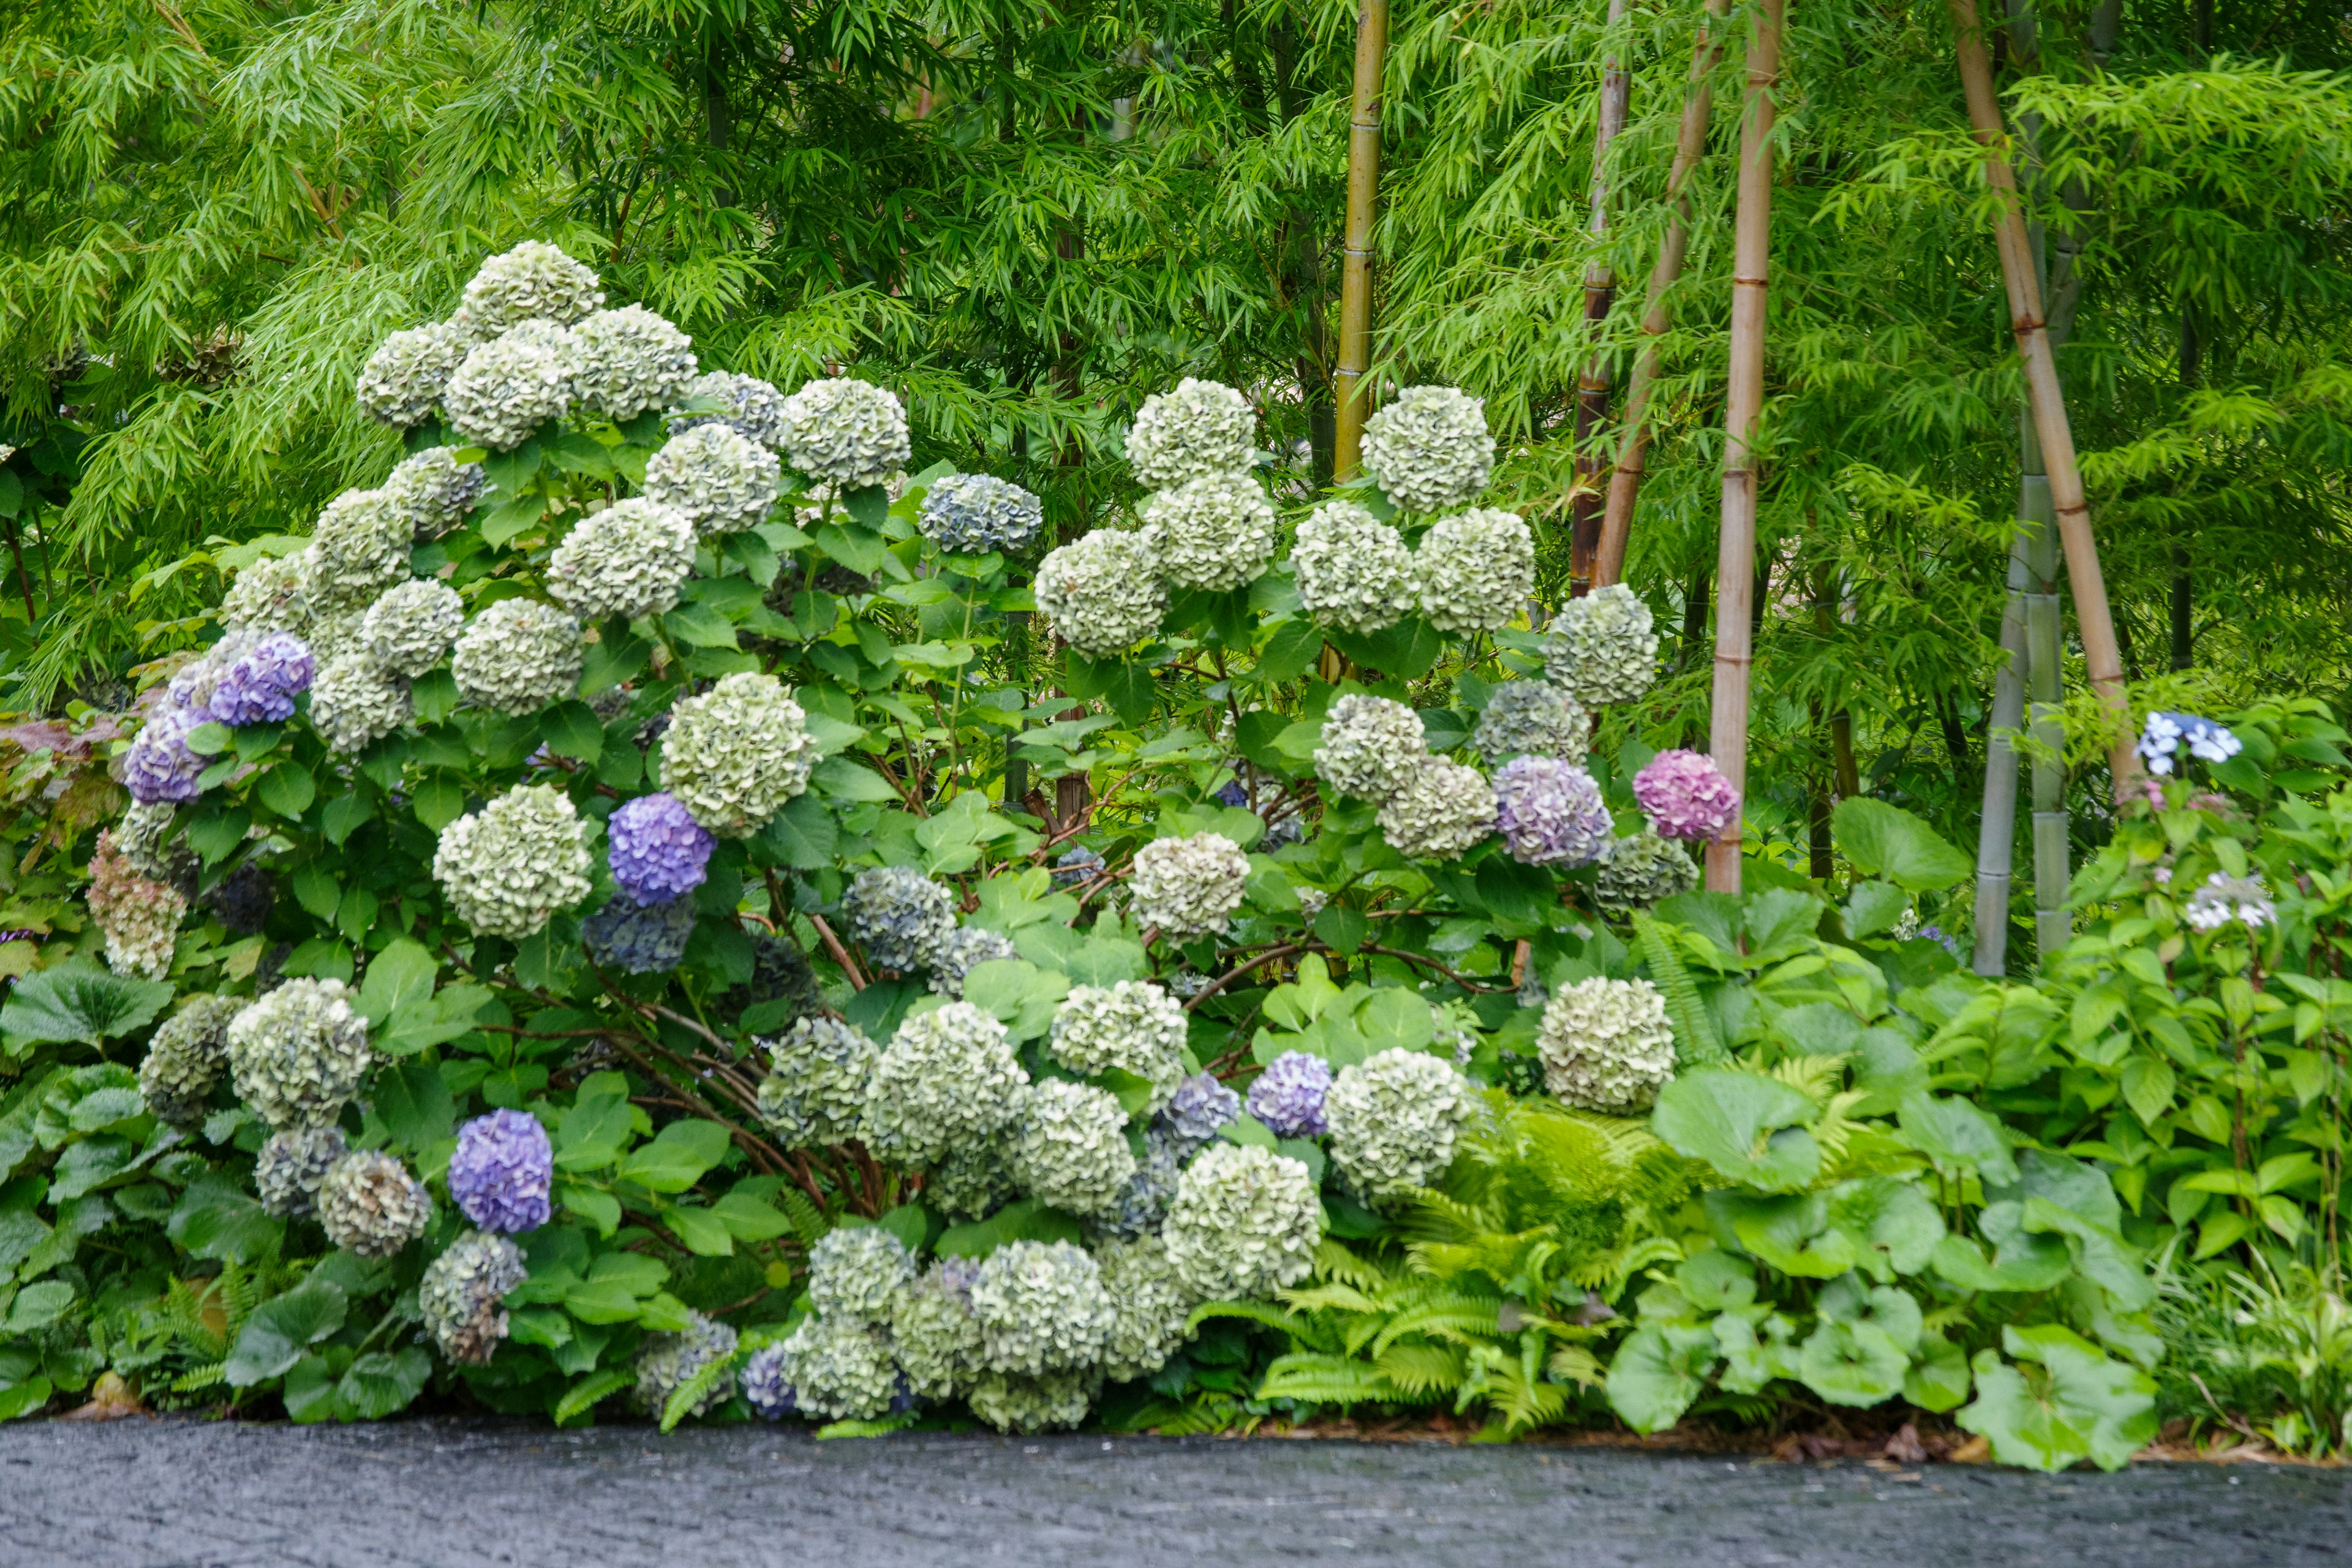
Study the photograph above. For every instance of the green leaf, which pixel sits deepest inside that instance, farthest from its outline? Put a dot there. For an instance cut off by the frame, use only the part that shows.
(572, 731)
(2147, 1085)
(1028, 1220)
(868, 506)
(592, 1133)
(401, 974)
(589, 1392)
(699, 626)
(210, 739)
(1658, 1372)
(702, 1231)
(1742, 1124)
(413, 1102)
(1887, 841)
(803, 835)
(81, 1002)
(1938, 1378)
(281, 1329)
(617, 657)
(218, 1218)
(215, 831)
(508, 520)
(24, 1398)
(1894, 1225)
(1288, 653)
(859, 549)
(845, 780)
(38, 1306)
(287, 789)
(1342, 929)
(345, 816)
(1851, 1364)
(1407, 649)
(1955, 1133)
(910, 1223)
(385, 1383)
(678, 1156)
(2085, 1405)
(1791, 1233)
(1874, 907)
(748, 1219)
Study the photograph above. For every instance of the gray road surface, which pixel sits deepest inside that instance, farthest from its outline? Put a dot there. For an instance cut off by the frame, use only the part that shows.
(439, 1494)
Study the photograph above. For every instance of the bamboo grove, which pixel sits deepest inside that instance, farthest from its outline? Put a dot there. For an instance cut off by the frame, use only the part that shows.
(1024, 218)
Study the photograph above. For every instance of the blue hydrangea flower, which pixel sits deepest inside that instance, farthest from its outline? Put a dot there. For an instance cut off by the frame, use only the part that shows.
(502, 1170)
(2165, 734)
(658, 851)
(1202, 1106)
(765, 1386)
(159, 766)
(1288, 1095)
(261, 686)
(642, 939)
(1076, 866)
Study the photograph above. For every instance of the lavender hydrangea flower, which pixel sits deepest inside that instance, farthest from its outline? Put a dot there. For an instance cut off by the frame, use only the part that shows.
(502, 1170)
(1552, 813)
(1686, 795)
(261, 685)
(159, 766)
(1201, 1107)
(1288, 1095)
(2165, 734)
(658, 851)
(764, 1386)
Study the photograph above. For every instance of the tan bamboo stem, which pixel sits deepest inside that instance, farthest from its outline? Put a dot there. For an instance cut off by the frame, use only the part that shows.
(1633, 450)
(2093, 621)
(1592, 382)
(1734, 568)
(1356, 281)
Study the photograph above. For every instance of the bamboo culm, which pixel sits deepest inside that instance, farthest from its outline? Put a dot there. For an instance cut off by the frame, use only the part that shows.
(1592, 382)
(1356, 281)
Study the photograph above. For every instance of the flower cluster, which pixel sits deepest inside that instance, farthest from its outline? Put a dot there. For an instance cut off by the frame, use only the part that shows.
(735, 754)
(847, 433)
(1041, 1309)
(141, 919)
(934, 1332)
(657, 851)
(1101, 593)
(504, 390)
(815, 1092)
(631, 359)
(1215, 532)
(1245, 1223)
(718, 479)
(402, 383)
(371, 1206)
(947, 1078)
(186, 1058)
(509, 868)
(1606, 1045)
(517, 657)
(973, 1181)
(502, 1172)
(956, 954)
(836, 1369)
(1602, 647)
(770, 1397)
(1149, 1305)
(533, 281)
(1552, 813)
(2162, 738)
(298, 1054)
(857, 1271)
(1354, 570)
(1476, 570)
(356, 702)
(1189, 887)
(1288, 1095)
(1011, 1402)
(1640, 871)
(1370, 747)
(628, 559)
(433, 491)
(292, 1164)
(1131, 1027)
(359, 547)
(268, 596)
(458, 1297)
(1202, 428)
(1071, 1147)
(159, 767)
(668, 1362)
(1686, 795)
(1532, 718)
(1394, 1121)
(754, 410)
(1429, 450)
(972, 514)
(410, 630)
(261, 683)
(899, 915)
(1444, 810)
(1199, 1110)
(2223, 900)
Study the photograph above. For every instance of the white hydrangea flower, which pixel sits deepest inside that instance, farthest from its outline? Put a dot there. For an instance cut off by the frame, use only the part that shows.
(1149, 1305)
(668, 1362)
(433, 491)
(1354, 570)
(1215, 532)
(1101, 593)
(1041, 1309)
(1071, 1149)
(1602, 647)
(533, 281)
(839, 1370)
(509, 387)
(1476, 569)
(292, 1164)
(509, 868)
(628, 559)
(948, 1077)
(1188, 887)
(1370, 747)
(1133, 1027)
(334, 632)
(857, 1271)
(298, 1054)
(355, 703)
(409, 629)
(735, 754)
(1639, 871)
(971, 1182)
(1202, 428)
(371, 1206)
(816, 1093)
(402, 381)
(358, 549)
(458, 1297)
(934, 1332)
(270, 595)
(1245, 1223)
(631, 359)
(1429, 450)
(755, 410)
(1606, 1045)
(1395, 1120)
(974, 513)
(186, 1057)
(1011, 1402)
(1532, 718)
(1445, 809)
(519, 656)
(719, 479)
(845, 433)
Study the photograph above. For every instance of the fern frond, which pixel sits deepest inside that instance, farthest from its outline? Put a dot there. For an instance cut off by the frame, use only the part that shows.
(1697, 1041)
(1339, 1262)
(1326, 1380)
(1423, 1371)
(1815, 1078)
(1255, 1312)
(808, 1222)
(1608, 1272)
(1574, 1363)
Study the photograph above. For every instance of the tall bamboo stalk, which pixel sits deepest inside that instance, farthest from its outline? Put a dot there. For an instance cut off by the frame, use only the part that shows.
(1734, 568)
(1634, 449)
(1356, 281)
(1592, 382)
(2094, 622)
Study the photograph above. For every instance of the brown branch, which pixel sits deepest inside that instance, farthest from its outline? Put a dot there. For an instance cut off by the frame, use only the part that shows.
(840, 954)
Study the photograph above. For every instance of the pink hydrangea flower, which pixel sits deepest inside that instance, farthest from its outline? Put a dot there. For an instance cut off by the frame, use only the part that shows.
(1687, 795)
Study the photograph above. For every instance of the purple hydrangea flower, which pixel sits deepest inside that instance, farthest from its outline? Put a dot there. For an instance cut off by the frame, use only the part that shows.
(658, 851)
(1199, 1108)
(261, 685)
(159, 766)
(2165, 734)
(502, 1170)
(1552, 813)
(1288, 1095)
(1686, 795)
(765, 1386)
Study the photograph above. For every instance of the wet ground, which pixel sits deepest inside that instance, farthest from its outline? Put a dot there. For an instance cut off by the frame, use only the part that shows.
(451, 1494)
